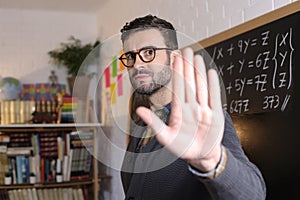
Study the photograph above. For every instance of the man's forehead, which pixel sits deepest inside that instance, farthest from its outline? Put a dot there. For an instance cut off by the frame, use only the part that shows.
(143, 38)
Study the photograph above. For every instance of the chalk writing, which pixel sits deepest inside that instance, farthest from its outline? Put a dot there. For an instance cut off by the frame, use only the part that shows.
(256, 68)
(239, 106)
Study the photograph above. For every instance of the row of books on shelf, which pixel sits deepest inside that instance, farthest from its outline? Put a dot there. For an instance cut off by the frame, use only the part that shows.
(45, 157)
(69, 109)
(16, 111)
(45, 194)
(42, 111)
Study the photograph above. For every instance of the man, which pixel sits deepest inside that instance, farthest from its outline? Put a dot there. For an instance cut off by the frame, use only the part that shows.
(182, 145)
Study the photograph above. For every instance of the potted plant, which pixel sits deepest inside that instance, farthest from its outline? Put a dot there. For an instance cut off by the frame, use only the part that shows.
(71, 55)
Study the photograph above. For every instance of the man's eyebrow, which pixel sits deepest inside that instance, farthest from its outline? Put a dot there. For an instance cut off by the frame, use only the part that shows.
(145, 47)
(128, 52)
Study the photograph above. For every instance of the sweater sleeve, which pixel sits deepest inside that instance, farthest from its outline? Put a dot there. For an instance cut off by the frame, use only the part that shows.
(241, 179)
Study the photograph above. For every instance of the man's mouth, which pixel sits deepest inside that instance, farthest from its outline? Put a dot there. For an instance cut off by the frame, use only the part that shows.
(139, 77)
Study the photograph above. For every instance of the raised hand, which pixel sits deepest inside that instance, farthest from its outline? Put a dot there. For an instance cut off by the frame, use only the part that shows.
(196, 123)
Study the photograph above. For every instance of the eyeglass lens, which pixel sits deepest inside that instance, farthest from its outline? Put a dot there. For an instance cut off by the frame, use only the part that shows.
(146, 55)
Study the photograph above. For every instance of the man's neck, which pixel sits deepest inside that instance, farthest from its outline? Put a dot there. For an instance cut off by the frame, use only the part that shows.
(161, 97)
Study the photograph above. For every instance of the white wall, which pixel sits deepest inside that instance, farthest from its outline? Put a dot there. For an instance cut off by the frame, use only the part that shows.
(198, 19)
(27, 35)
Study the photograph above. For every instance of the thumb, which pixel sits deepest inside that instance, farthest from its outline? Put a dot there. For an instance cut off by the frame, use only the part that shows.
(153, 121)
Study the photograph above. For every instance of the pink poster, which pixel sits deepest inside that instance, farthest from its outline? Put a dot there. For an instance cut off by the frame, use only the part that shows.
(107, 77)
(120, 85)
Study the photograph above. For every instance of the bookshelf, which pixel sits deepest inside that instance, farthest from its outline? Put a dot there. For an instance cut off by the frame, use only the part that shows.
(91, 182)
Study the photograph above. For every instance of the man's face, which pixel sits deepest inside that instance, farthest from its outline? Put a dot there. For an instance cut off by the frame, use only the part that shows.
(146, 78)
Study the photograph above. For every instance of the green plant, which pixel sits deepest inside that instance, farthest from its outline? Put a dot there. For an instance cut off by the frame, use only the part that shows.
(71, 55)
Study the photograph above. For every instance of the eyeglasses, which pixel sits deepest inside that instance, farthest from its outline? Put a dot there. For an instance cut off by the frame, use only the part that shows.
(146, 54)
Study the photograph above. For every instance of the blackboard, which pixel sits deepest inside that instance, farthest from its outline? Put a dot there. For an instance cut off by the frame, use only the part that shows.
(258, 66)
(265, 111)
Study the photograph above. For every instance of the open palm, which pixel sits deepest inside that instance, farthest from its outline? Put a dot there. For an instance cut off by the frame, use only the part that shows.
(196, 123)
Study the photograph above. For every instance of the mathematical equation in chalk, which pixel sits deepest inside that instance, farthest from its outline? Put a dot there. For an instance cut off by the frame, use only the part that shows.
(256, 69)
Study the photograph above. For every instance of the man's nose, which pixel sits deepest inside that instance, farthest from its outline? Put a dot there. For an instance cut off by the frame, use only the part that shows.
(138, 62)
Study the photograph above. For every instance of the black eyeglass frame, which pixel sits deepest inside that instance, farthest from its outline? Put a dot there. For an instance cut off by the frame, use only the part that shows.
(121, 58)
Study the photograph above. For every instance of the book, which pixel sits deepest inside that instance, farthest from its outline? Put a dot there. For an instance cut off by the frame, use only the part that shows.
(3, 163)
(45, 193)
(51, 194)
(60, 194)
(19, 163)
(4, 139)
(81, 142)
(24, 194)
(27, 170)
(34, 194)
(14, 170)
(20, 140)
(65, 194)
(16, 194)
(15, 151)
(40, 194)
(55, 194)
(69, 165)
(4, 195)
(30, 194)
(42, 161)
(47, 169)
(65, 167)
(2, 115)
(68, 109)
(19, 194)
(75, 194)
(5, 115)
(16, 111)
(80, 194)
(48, 144)
(11, 195)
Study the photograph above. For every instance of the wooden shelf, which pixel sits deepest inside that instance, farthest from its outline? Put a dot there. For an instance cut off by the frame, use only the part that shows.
(46, 127)
(71, 183)
(49, 185)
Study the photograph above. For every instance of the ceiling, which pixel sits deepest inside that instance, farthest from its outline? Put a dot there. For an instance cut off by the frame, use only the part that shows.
(54, 5)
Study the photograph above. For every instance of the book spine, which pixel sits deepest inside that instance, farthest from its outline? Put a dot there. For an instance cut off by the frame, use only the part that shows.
(19, 169)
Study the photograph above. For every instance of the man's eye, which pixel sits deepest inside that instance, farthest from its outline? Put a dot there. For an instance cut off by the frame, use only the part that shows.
(129, 56)
(148, 52)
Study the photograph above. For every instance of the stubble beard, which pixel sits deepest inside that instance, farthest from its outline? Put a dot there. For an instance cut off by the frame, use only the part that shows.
(159, 80)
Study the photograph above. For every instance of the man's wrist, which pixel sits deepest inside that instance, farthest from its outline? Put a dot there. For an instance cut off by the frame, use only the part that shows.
(209, 162)
(214, 172)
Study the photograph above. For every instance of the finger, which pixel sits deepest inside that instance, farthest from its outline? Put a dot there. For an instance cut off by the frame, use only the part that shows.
(214, 90)
(153, 121)
(201, 81)
(189, 75)
(178, 83)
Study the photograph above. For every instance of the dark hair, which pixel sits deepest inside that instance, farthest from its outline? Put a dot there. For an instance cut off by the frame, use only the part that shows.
(149, 21)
